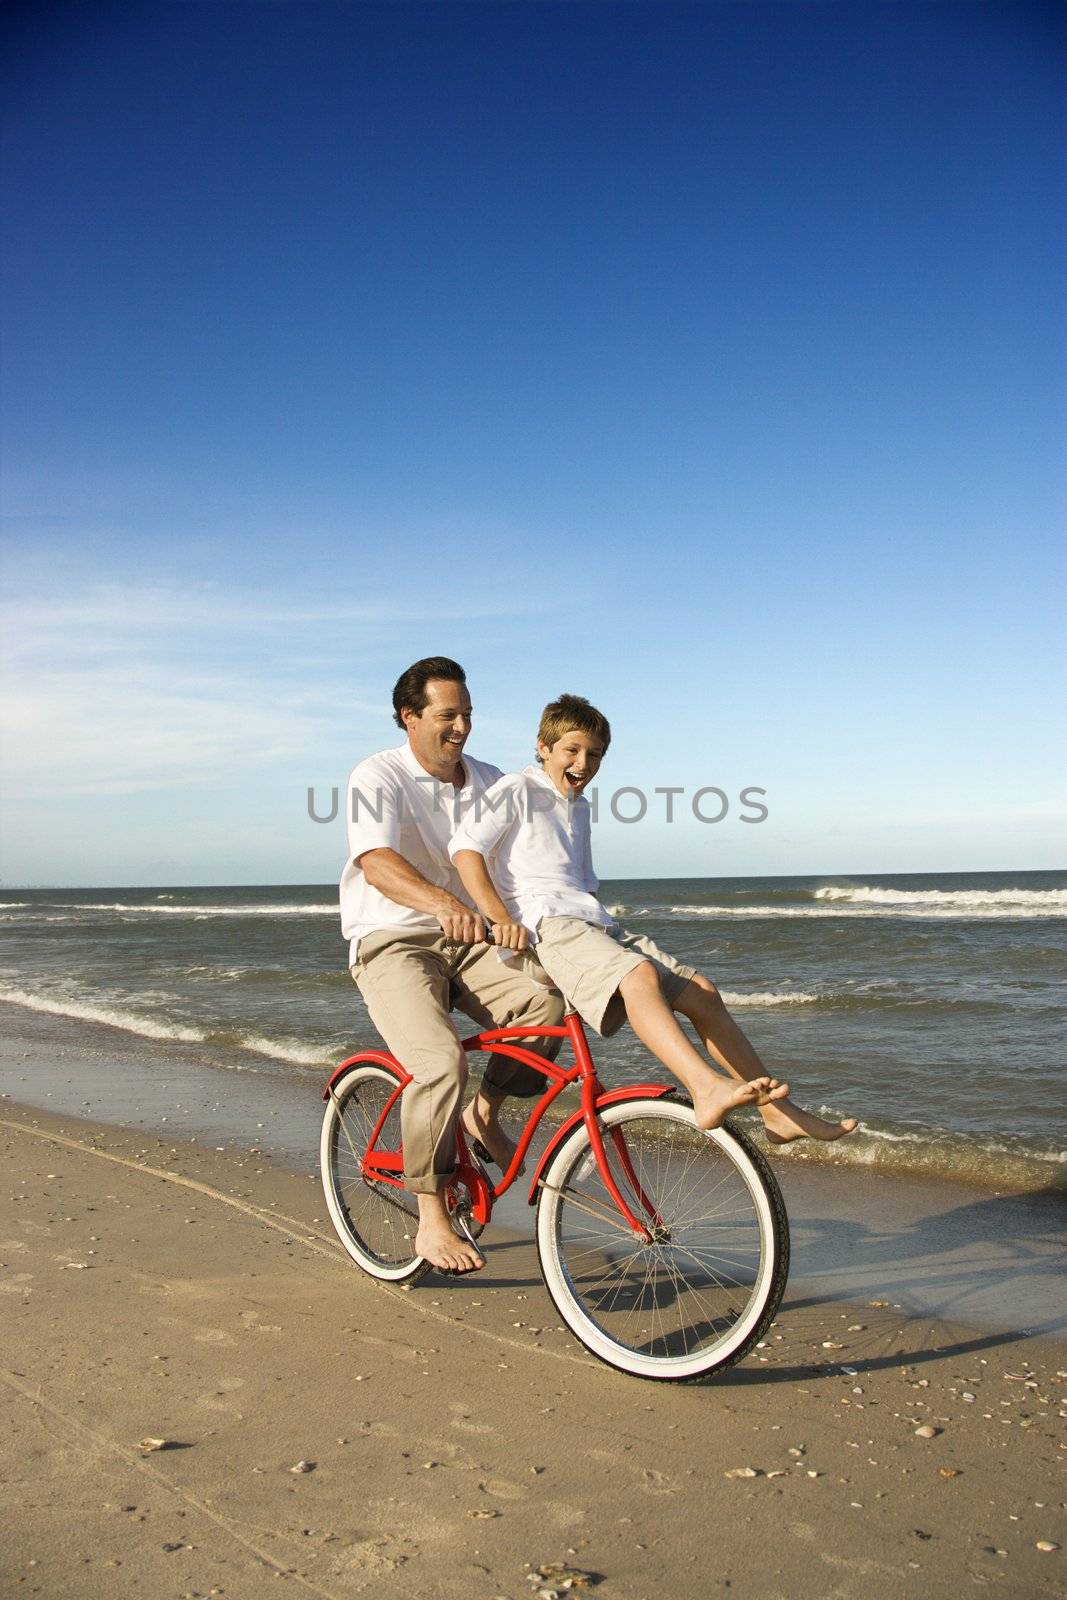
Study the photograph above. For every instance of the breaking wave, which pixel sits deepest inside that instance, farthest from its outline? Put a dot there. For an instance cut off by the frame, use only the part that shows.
(148, 1027)
(773, 997)
(949, 907)
(280, 1049)
(153, 909)
(938, 1154)
(1045, 902)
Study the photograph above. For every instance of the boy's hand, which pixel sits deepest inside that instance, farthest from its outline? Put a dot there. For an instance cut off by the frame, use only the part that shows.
(510, 935)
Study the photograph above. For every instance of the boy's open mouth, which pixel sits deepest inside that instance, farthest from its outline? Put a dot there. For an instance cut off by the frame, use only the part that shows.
(575, 779)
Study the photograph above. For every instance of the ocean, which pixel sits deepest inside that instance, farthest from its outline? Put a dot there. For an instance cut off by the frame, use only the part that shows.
(932, 1007)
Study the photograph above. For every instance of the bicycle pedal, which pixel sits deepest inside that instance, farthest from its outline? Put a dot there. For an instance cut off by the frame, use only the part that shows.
(490, 1161)
(461, 1225)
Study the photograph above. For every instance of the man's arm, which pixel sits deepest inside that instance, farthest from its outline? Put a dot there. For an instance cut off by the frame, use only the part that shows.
(394, 877)
(509, 934)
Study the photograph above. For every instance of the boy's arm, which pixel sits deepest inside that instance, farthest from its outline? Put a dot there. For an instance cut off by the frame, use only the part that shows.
(506, 932)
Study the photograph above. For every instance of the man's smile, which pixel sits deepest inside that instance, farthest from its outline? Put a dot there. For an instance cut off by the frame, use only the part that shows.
(439, 731)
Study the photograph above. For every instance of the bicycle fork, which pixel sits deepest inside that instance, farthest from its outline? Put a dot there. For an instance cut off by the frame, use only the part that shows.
(652, 1231)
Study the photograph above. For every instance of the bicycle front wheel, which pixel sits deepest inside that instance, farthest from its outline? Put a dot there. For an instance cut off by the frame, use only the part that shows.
(703, 1289)
(376, 1220)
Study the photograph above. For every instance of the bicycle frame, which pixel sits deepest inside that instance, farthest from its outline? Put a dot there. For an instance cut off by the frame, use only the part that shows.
(386, 1167)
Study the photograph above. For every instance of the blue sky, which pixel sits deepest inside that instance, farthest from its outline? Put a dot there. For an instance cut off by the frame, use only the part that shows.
(704, 359)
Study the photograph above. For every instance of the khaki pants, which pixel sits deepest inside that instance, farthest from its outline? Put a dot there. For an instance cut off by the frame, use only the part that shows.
(410, 982)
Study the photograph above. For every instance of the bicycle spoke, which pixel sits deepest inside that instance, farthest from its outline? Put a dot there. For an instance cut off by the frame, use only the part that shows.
(596, 1208)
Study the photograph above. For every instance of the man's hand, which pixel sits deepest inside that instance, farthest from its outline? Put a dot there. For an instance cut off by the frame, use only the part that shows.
(510, 935)
(462, 926)
(394, 877)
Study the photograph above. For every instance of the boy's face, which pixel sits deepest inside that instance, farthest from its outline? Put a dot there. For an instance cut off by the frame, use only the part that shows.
(572, 762)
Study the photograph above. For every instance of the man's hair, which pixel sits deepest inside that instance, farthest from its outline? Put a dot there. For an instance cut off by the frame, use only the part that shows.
(572, 713)
(409, 692)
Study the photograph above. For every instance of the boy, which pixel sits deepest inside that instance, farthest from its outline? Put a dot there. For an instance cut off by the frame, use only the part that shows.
(532, 830)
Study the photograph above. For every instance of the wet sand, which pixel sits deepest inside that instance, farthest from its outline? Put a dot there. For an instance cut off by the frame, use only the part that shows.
(932, 1248)
(456, 1438)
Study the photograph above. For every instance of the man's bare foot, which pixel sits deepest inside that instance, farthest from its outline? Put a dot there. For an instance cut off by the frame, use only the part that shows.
(785, 1122)
(714, 1101)
(480, 1122)
(438, 1242)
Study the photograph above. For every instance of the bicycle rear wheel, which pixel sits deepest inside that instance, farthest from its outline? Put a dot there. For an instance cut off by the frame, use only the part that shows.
(697, 1296)
(376, 1220)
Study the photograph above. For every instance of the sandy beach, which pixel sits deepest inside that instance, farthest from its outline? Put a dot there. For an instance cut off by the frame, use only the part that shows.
(453, 1440)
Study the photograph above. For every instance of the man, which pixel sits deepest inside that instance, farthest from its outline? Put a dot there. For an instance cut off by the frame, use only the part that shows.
(417, 944)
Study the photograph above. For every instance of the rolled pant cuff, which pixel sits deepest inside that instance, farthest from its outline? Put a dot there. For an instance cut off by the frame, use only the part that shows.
(429, 1182)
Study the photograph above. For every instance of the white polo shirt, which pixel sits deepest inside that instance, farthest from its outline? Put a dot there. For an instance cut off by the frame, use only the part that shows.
(393, 803)
(538, 848)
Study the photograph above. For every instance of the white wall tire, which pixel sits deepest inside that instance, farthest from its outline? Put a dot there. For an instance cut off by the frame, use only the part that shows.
(375, 1222)
(703, 1292)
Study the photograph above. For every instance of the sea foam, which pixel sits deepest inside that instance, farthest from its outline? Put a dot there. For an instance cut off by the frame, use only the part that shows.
(1050, 902)
(280, 1049)
(130, 1022)
(772, 997)
(155, 910)
(938, 1154)
(949, 907)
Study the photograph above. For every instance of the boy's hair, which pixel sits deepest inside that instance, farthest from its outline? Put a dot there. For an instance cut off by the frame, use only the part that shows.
(572, 713)
(409, 692)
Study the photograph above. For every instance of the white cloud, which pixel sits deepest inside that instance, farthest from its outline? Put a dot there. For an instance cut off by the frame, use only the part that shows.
(107, 614)
(107, 731)
(120, 689)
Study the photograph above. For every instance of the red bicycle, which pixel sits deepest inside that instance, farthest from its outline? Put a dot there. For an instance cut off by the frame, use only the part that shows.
(665, 1248)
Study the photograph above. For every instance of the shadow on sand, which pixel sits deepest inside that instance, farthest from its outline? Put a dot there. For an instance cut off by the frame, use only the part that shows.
(928, 1285)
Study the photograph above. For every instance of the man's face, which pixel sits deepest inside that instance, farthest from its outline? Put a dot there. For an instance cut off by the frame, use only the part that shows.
(439, 732)
(572, 762)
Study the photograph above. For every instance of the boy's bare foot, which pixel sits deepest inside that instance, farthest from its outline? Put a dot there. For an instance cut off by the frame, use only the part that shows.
(714, 1101)
(785, 1122)
(477, 1124)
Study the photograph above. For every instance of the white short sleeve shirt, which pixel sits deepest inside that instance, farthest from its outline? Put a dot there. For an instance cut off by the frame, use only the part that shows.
(538, 847)
(393, 803)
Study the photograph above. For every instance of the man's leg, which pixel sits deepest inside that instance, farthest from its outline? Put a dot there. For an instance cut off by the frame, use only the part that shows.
(498, 994)
(406, 989)
(701, 1002)
(655, 1025)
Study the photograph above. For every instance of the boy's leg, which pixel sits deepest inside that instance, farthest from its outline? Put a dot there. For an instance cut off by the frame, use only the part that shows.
(701, 1002)
(654, 1022)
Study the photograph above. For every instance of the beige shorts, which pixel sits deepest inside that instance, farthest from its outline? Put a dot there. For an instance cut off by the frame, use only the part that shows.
(588, 963)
